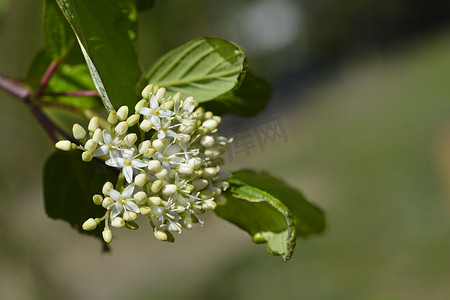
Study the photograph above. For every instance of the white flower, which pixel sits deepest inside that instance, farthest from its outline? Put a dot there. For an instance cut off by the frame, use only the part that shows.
(127, 162)
(167, 216)
(123, 202)
(110, 146)
(154, 113)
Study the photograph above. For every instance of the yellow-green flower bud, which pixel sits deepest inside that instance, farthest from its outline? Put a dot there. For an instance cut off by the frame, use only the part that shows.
(118, 222)
(93, 124)
(90, 224)
(160, 235)
(145, 210)
(129, 216)
(156, 186)
(78, 131)
(64, 145)
(140, 105)
(107, 187)
(130, 139)
(97, 199)
(121, 128)
(87, 156)
(112, 118)
(147, 91)
(132, 120)
(154, 201)
(146, 125)
(140, 197)
(107, 235)
(122, 113)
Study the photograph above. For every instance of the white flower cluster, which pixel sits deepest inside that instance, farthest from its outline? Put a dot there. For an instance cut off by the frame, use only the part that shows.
(171, 176)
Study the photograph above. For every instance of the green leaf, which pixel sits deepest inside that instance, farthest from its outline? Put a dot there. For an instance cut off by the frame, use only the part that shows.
(106, 31)
(58, 36)
(309, 219)
(204, 68)
(144, 4)
(270, 211)
(248, 100)
(69, 184)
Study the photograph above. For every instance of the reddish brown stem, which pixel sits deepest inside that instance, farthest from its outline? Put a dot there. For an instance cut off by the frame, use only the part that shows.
(46, 78)
(15, 88)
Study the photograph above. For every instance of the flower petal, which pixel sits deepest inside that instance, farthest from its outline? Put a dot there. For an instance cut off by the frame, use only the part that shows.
(138, 163)
(115, 162)
(116, 210)
(132, 206)
(128, 191)
(102, 151)
(153, 102)
(128, 172)
(145, 111)
(107, 138)
(115, 195)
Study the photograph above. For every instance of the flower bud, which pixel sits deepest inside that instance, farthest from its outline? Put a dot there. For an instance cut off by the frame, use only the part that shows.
(159, 144)
(112, 117)
(144, 146)
(98, 135)
(78, 131)
(91, 145)
(122, 113)
(107, 202)
(209, 205)
(200, 184)
(121, 128)
(160, 94)
(107, 187)
(132, 120)
(145, 210)
(168, 105)
(207, 141)
(208, 115)
(130, 139)
(87, 156)
(154, 165)
(147, 91)
(220, 200)
(187, 126)
(107, 235)
(140, 197)
(154, 201)
(118, 222)
(64, 145)
(97, 199)
(209, 173)
(93, 124)
(149, 152)
(146, 125)
(140, 180)
(195, 163)
(140, 104)
(90, 224)
(161, 174)
(211, 124)
(160, 235)
(169, 189)
(156, 186)
(129, 216)
(185, 169)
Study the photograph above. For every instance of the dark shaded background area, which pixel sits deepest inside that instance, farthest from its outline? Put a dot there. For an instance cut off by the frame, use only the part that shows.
(362, 90)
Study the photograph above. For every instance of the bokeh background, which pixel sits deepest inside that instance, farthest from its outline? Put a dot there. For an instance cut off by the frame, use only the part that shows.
(362, 89)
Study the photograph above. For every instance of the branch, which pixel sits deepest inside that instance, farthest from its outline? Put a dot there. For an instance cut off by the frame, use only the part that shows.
(46, 78)
(15, 88)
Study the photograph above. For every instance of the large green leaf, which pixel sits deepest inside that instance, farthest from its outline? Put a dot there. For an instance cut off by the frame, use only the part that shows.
(248, 100)
(270, 211)
(106, 31)
(69, 184)
(58, 36)
(204, 68)
(309, 219)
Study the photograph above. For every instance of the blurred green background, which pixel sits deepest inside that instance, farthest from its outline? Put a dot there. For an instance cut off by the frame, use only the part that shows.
(363, 91)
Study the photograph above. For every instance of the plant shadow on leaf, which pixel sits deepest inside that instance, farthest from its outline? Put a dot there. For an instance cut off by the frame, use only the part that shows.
(69, 184)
